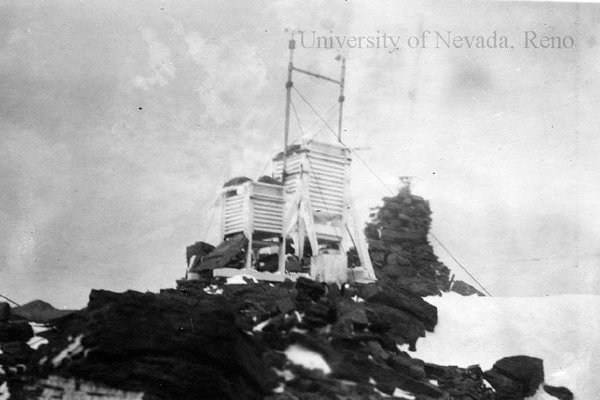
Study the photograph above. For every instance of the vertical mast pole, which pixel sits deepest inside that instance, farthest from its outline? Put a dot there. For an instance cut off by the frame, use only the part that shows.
(288, 99)
(341, 98)
(286, 133)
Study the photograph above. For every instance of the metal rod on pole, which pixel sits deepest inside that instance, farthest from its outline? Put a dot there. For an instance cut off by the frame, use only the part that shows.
(288, 99)
(315, 75)
(341, 98)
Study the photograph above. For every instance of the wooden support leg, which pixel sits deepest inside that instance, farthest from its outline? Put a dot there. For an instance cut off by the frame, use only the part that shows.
(301, 238)
(248, 263)
(281, 268)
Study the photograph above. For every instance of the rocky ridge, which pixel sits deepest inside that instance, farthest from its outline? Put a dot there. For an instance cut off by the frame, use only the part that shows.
(219, 339)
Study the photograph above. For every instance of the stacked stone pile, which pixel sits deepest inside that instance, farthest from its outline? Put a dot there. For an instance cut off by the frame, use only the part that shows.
(399, 246)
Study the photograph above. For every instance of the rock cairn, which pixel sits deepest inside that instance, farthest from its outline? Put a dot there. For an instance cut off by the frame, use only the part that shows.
(400, 250)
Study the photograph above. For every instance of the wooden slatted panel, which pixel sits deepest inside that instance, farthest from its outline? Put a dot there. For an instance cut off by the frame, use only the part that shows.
(329, 168)
(234, 214)
(267, 208)
(328, 180)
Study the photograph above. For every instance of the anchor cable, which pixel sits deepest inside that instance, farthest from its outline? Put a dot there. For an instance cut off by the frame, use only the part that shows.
(388, 188)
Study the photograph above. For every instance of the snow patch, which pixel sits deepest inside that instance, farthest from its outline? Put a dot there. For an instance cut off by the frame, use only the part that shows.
(71, 350)
(561, 330)
(213, 289)
(4, 393)
(259, 327)
(488, 385)
(285, 374)
(307, 358)
(36, 341)
(402, 394)
(39, 328)
(239, 279)
(379, 392)
(357, 299)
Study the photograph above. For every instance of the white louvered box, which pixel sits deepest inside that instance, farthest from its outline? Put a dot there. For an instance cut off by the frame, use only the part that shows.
(328, 165)
(252, 207)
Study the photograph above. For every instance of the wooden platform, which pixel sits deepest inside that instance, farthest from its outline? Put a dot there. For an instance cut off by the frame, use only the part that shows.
(261, 276)
(354, 275)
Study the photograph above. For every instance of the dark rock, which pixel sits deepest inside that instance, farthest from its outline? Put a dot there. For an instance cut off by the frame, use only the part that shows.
(267, 263)
(275, 359)
(398, 260)
(319, 314)
(198, 249)
(527, 371)
(285, 304)
(392, 235)
(168, 345)
(435, 371)
(377, 258)
(389, 272)
(4, 311)
(389, 379)
(403, 327)
(461, 383)
(366, 291)
(352, 366)
(311, 288)
(292, 264)
(333, 292)
(225, 254)
(15, 331)
(418, 285)
(561, 393)
(14, 353)
(350, 340)
(506, 388)
(464, 289)
(408, 302)
(377, 352)
(349, 291)
(408, 366)
(352, 312)
(195, 287)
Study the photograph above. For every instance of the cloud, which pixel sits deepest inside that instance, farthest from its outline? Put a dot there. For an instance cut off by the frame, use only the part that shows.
(162, 70)
(40, 187)
(230, 74)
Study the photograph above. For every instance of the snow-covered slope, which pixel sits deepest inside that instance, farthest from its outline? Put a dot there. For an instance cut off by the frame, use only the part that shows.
(562, 330)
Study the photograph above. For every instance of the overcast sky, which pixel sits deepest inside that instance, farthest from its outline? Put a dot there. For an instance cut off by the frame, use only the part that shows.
(119, 122)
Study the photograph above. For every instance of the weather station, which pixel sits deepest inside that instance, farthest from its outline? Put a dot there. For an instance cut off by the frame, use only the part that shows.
(301, 220)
